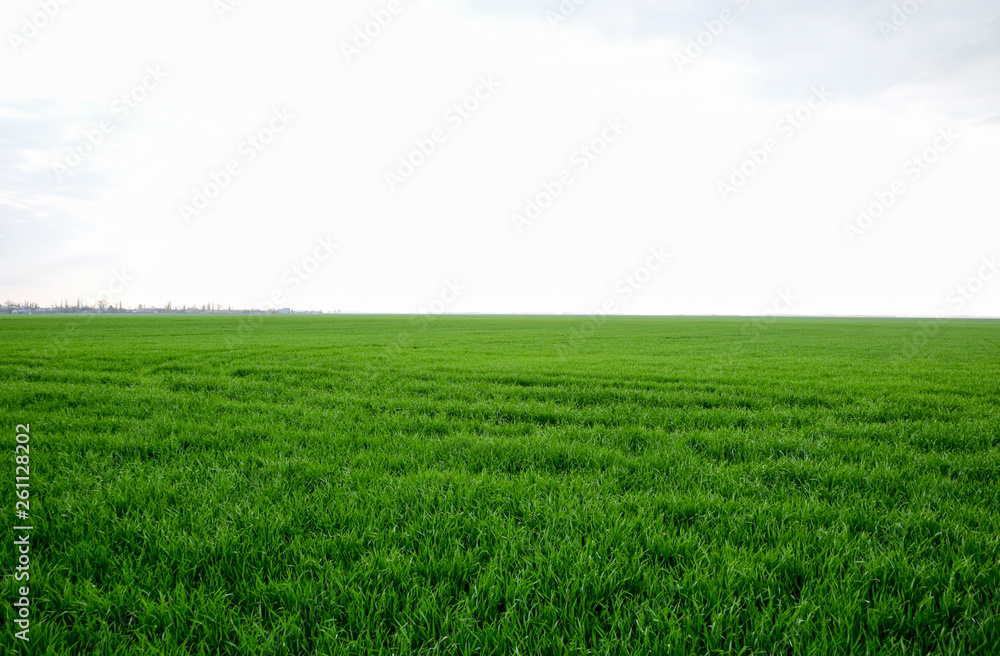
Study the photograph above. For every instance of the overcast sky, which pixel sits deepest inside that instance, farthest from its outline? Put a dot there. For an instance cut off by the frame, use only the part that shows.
(516, 156)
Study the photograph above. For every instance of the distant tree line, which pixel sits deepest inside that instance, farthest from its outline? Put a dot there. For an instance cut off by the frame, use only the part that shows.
(104, 307)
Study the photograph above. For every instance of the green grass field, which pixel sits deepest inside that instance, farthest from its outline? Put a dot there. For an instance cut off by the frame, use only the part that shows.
(504, 485)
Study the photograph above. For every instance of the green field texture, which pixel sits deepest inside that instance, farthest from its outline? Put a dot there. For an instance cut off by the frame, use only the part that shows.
(504, 485)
